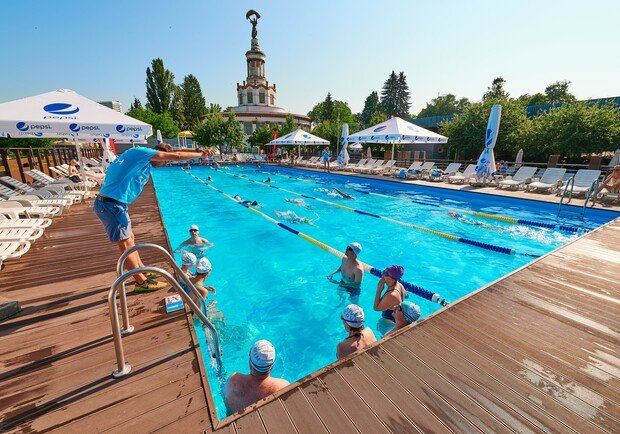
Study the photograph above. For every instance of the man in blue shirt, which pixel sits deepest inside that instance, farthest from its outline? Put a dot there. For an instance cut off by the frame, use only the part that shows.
(124, 181)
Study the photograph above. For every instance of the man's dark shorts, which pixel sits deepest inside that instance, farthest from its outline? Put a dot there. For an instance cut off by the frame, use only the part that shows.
(115, 219)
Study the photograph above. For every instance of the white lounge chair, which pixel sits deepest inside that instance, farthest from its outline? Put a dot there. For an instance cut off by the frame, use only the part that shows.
(353, 166)
(370, 168)
(519, 179)
(312, 160)
(383, 169)
(31, 200)
(439, 175)
(8, 223)
(49, 192)
(413, 166)
(13, 249)
(45, 179)
(19, 234)
(421, 171)
(550, 181)
(460, 178)
(585, 180)
(16, 210)
(369, 163)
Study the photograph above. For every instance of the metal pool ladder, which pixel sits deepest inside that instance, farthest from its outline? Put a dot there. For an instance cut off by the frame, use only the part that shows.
(571, 183)
(124, 368)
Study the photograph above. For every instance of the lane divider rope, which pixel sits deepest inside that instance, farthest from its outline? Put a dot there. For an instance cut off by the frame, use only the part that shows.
(415, 289)
(475, 243)
(514, 220)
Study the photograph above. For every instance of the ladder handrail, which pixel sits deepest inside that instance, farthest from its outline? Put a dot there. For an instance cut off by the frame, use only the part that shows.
(122, 367)
(593, 188)
(571, 182)
(120, 266)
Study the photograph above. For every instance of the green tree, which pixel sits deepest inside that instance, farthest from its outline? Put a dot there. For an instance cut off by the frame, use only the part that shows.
(211, 132)
(233, 132)
(395, 96)
(340, 111)
(329, 130)
(261, 136)
(444, 105)
(25, 142)
(466, 132)
(159, 121)
(136, 104)
(328, 107)
(159, 87)
(496, 91)
(372, 110)
(575, 130)
(213, 108)
(558, 92)
(288, 126)
(536, 99)
(193, 102)
(176, 106)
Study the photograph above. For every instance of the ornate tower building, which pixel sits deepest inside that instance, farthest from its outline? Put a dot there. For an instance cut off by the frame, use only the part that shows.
(256, 97)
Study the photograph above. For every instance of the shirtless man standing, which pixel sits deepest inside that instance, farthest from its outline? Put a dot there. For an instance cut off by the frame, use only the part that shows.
(195, 243)
(359, 336)
(351, 270)
(242, 390)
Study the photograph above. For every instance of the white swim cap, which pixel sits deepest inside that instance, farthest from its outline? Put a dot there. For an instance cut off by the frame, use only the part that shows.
(411, 311)
(192, 227)
(353, 315)
(188, 258)
(204, 266)
(262, 356)
(356, 247)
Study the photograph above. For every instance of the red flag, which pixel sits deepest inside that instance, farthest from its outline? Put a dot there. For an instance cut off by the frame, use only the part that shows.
(275, 134)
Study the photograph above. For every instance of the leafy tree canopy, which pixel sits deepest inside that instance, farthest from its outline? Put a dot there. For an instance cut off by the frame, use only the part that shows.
(332, 110)
(136, 104)
(288, 126)
(444, 105)
(558, 92)
(536, 99)
(193, 102)
(496, 90)
(372, 111)
(261, 136)
(159, 121)
(395, 96)
(160, 87)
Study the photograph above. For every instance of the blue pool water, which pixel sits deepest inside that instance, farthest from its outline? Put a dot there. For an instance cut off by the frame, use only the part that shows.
(272, 284)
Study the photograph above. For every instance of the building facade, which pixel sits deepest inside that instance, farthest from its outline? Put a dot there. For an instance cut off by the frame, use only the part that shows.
(256, 97)
(114, 105)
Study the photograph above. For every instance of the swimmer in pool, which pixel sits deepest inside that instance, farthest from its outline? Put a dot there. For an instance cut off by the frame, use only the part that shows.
(342, 194)
(268, 179)
(298, 202)
(293, 218)
(245, 202)
(464, 219)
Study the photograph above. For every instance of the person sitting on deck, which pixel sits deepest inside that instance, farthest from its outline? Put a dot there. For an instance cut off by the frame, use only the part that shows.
(351, 271)
(195, 243)
(612, 182)
(242, 390)
(405, 314)
(245, 202)
(359, 336)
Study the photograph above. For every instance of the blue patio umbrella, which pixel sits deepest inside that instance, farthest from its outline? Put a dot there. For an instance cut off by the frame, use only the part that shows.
(343, 157)
(486, 163)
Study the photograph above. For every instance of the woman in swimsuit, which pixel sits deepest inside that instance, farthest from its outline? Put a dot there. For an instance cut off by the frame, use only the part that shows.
(393, 295)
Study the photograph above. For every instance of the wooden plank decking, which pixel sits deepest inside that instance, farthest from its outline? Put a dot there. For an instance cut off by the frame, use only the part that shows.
(534, 352)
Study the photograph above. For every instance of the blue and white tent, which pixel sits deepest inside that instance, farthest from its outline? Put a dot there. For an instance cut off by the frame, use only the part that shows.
(486, 163)
(343, 156)
(299, 138)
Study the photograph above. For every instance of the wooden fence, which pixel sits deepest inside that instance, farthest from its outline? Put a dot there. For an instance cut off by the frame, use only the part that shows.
(16, 161)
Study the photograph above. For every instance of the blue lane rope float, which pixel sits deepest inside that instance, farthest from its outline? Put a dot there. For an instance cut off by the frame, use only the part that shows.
(415, 289)
(524, 222)
(479, 244)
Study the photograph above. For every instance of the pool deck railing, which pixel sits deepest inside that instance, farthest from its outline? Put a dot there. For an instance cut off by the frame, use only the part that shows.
(535, 351)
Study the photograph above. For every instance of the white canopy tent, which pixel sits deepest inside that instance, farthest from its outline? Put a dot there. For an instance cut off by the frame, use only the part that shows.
(65, 114)
(299, 138)
(397, 130)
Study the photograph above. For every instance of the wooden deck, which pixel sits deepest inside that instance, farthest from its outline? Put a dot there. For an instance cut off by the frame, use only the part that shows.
(534, 352)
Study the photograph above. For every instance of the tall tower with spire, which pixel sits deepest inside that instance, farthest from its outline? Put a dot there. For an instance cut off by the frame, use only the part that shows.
(256, 97)
(255, 90)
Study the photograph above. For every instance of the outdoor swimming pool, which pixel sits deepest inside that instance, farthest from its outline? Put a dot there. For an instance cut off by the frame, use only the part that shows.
(272, 284)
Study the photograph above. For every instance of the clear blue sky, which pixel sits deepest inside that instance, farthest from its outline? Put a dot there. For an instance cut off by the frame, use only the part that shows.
(102, 48)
